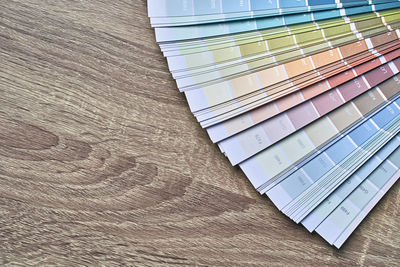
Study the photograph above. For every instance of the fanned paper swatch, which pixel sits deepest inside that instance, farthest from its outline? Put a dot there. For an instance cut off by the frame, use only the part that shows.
(304, 96)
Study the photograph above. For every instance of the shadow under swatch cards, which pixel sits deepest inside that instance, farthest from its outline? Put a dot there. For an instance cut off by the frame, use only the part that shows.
(303, 95)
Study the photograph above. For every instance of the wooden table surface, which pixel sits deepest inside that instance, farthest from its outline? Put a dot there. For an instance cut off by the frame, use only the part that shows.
(101, 161)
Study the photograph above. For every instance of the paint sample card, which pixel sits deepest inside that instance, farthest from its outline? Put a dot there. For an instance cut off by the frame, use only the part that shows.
(342, 221)
(186, 12)
(184, 33)
(304, 96)
(318, 215)
(258, 115)
(280, 160)
(249, 142)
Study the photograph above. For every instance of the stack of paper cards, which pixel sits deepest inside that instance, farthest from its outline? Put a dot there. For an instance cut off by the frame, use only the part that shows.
(303, 95)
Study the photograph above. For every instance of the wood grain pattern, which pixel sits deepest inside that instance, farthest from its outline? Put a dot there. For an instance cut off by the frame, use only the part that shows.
(102, 163)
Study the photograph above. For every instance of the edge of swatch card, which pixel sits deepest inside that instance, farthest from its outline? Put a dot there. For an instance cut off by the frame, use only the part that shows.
(303, 211)
(299, 214)
(163, 34)
(249, 13)
(196, 100)
(254, 173)
(226, 92)
(233, 153)
(234, 149)
(177, 63)
(328, 231)
(221, 149)
(342, 238)
(156, 11)
(310, 187)
(264, 189)
(217, 132)
(314, 219)
(166, 34)
(279, 197)
(156, 8)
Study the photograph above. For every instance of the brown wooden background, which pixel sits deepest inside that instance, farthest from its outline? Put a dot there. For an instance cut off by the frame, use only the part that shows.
(101, 161)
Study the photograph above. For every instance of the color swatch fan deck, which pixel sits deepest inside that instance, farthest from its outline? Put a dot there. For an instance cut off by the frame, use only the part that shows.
(304, 96)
